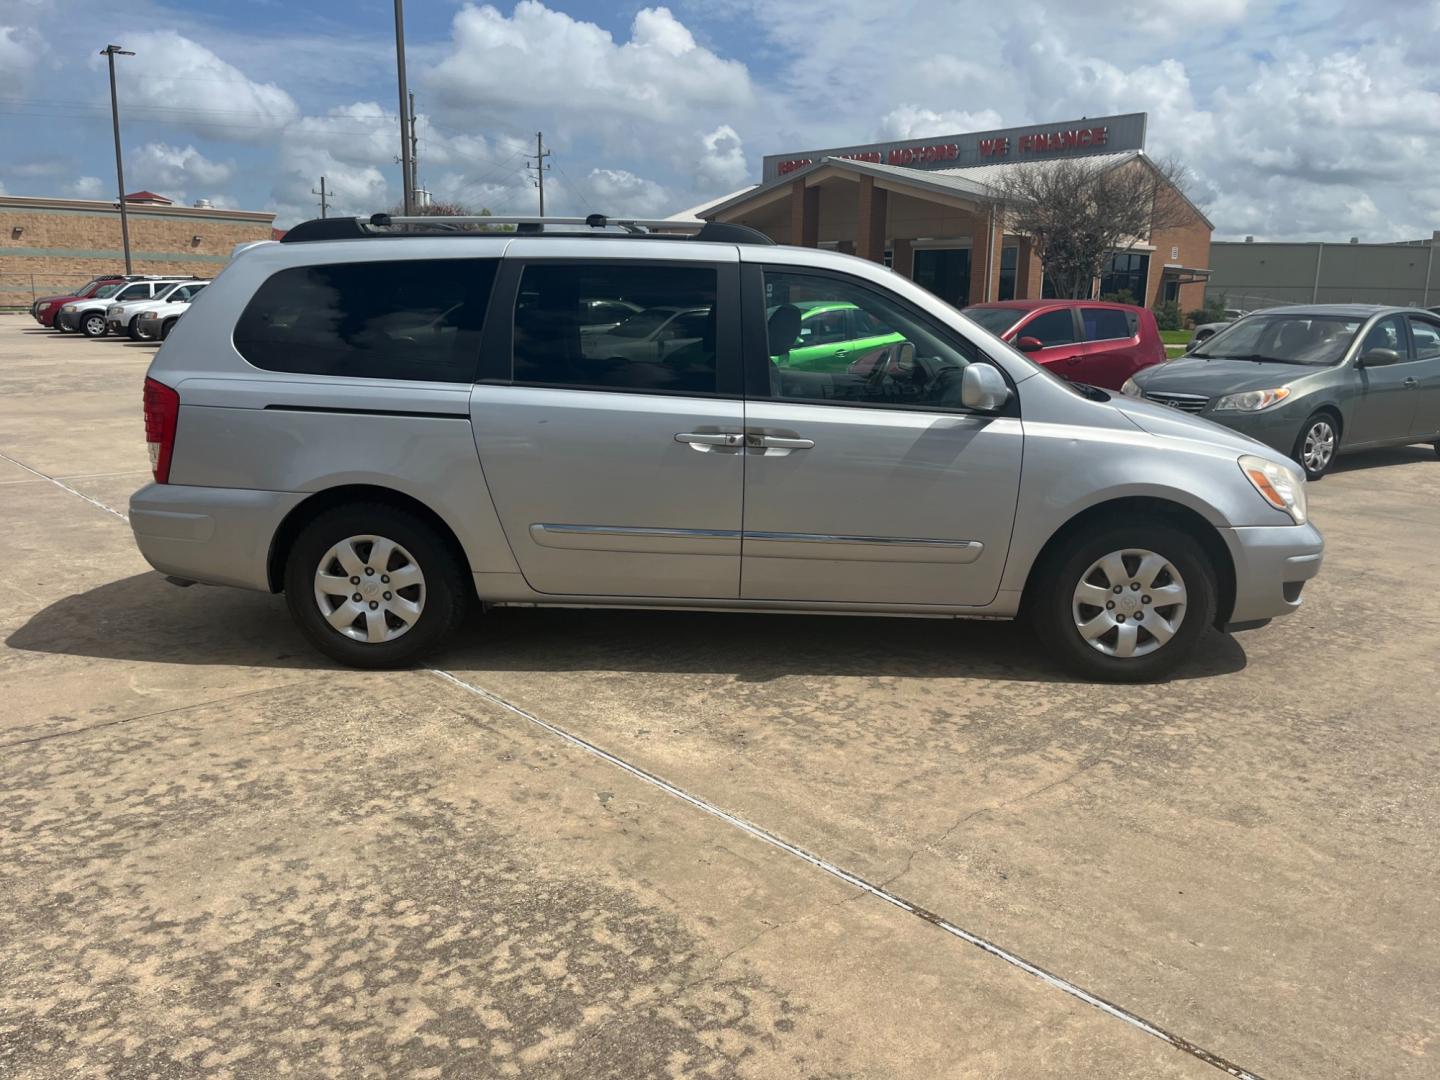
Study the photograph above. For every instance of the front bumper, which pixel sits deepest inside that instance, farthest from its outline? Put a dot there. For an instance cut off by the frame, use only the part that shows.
(220, 536)
(1272, 564)
(114, 326)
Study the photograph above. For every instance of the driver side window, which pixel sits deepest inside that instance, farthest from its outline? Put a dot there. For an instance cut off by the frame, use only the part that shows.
(897, 360)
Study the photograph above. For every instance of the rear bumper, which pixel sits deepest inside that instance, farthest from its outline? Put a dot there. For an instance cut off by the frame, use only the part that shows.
(1272, 564)
(220, 536)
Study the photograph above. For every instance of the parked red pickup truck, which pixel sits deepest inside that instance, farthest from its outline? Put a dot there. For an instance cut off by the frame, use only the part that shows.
(1088, 341)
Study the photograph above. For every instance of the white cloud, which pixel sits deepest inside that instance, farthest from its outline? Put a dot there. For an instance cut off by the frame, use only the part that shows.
(178, 80)
(619, 192)
(86, 187)
(722, 161)
(20, 51)
(161, 167)
(540, 58)
(914, 122)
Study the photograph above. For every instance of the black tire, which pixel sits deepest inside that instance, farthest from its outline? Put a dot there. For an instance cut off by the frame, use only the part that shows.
(92, 324)
(165, 328)
(56, 326)
(446, 588)
(134, 330)
(1053, 611)
(1322, 419)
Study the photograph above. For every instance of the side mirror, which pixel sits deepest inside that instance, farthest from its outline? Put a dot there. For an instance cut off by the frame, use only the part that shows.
(983, 389)
(1379, 358)
(1029, 344)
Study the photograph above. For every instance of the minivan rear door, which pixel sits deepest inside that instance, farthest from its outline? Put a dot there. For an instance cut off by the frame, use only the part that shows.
(615, 471)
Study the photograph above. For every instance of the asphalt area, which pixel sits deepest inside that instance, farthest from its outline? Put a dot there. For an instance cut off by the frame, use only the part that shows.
(593, 844)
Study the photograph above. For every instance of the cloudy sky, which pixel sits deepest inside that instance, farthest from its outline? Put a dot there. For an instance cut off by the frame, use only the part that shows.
(1313, 120)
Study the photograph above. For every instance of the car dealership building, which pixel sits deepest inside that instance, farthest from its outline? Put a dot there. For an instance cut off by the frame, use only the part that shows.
(929, 208)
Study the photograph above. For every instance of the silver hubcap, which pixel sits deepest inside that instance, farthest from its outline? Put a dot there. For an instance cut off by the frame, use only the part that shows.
(1319, 445)
(370, 589)
(1129, 603)
(95, 324)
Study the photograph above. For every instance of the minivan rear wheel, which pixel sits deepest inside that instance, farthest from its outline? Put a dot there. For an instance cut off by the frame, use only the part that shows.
(1125, 603)
(374, 586)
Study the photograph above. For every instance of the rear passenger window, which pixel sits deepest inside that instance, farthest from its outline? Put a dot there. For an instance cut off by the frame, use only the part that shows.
(1052, 328)
(1427, 338)
(666, 343)
(405, 319)
(1105, 324)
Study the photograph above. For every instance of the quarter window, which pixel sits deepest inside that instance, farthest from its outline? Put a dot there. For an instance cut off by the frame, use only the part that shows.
(403, 319)
(137, 291)
(666, 344)
(1427, 338)
(891, 359)
(1051, 328)
(1105, 324)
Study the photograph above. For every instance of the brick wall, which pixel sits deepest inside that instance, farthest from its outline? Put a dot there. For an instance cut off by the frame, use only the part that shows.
(60, 243)
(1193, 241)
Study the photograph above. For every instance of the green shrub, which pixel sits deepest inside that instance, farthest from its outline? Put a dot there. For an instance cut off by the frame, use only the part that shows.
(1168, 315)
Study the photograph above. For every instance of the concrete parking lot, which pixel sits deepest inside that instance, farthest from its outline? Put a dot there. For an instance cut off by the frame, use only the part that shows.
(590, 844)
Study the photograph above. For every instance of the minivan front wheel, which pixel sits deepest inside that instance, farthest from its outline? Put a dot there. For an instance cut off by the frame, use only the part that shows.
(374, 586)
(1126, 604)
(92, 324)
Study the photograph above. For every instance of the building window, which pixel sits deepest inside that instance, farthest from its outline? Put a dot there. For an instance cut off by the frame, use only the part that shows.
(1009, 261)
(1123, 277)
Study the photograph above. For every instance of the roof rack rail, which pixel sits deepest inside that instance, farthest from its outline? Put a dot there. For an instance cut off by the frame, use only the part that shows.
(384, 225)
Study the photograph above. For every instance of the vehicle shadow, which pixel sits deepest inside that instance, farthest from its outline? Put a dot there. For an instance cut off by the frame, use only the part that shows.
(143, 619)
(1377, 459)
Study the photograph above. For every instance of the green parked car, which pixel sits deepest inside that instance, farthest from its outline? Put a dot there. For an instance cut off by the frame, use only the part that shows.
(834, 336)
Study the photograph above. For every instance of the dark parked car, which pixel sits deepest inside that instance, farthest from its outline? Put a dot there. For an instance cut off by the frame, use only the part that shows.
(1313, 381)
(1088, 341)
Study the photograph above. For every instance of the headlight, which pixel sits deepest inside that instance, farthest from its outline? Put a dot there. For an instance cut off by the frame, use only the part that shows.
(1129, 389)
(1278, 485)
(45, 307)
(1252, 400)
(68, 307)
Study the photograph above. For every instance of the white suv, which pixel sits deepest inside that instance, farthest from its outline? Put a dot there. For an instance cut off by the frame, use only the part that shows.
(125, 315)
(88, 316)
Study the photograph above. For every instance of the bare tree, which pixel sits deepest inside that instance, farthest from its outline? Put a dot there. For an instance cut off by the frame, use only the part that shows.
(453, 209)
(1078, 211)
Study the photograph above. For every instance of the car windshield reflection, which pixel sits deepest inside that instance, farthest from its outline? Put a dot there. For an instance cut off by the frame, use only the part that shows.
(1310, 340)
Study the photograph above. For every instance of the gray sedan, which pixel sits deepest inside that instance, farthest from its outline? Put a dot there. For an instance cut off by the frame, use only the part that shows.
(1312, 381)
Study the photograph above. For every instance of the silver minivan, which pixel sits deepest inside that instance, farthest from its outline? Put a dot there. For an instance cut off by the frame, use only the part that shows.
(393, 424)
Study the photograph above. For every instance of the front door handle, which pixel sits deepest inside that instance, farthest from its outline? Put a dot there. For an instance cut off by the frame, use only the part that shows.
(709, 441)
(1411, 382)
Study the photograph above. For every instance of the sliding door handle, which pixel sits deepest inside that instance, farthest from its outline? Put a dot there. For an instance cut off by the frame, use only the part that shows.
(708, 441)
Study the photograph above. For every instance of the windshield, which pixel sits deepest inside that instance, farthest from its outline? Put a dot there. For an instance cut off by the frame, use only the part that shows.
(1312, 340)
(106, 290)
(995, 319)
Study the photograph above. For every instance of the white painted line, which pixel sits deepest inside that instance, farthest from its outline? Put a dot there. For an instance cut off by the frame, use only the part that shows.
(880, 893)
(64, 487)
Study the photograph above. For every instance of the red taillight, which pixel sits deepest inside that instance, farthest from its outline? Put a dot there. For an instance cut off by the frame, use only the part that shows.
(162, 411)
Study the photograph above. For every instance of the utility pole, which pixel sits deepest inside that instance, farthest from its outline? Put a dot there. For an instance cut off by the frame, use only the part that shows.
(407, 171)
(110, 52)
(324, 206)
(414, 153)
(540, 167)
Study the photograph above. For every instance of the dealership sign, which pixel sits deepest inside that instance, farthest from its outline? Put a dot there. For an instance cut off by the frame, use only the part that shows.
(1098, 135)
